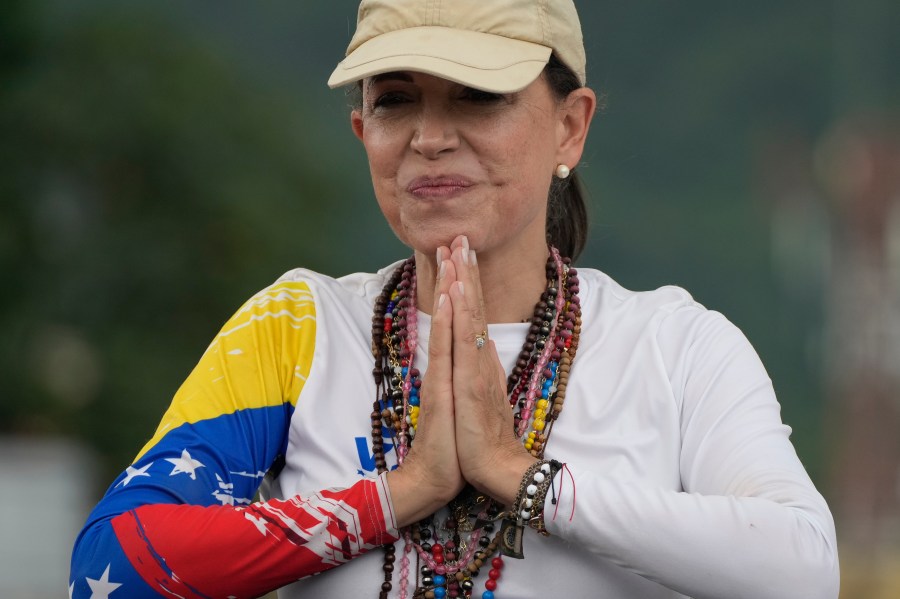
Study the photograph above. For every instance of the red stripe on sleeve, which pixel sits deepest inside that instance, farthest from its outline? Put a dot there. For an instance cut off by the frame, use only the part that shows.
(220, 551)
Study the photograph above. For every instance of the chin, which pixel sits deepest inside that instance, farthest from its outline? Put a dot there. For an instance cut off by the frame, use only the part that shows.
(427, 242)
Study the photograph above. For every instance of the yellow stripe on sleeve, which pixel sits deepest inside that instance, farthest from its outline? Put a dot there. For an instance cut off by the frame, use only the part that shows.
(260, 358)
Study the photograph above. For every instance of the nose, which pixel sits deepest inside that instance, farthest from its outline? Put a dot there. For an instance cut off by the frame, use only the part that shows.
(436, 132)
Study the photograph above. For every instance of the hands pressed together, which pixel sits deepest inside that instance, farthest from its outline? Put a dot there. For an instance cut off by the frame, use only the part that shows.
(465, 428)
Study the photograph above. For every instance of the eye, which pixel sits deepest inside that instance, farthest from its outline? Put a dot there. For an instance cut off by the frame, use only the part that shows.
(390, 99)
(479, 96)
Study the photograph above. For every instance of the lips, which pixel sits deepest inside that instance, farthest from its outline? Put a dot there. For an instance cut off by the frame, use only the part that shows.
(438, 187)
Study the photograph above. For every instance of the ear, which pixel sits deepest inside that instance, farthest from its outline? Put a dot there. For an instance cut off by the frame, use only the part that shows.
(575, 116)
(356, 123)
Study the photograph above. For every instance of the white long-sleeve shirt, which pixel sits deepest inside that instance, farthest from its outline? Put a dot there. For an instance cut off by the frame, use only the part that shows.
(685, 481)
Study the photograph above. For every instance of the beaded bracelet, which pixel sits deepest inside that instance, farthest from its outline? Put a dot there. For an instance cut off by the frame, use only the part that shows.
(528, 507)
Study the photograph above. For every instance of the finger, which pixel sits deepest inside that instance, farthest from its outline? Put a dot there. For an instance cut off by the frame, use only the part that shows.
(443, 253)
(465, 353)
(461, 241)
(467, 273)
(475, 281)
(444, 277)
(437, 388)
(440, 345)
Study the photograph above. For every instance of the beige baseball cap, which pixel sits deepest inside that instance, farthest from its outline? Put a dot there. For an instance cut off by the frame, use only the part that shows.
(495, 45)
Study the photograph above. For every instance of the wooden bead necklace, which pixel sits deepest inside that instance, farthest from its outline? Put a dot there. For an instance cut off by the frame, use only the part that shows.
(452, 552)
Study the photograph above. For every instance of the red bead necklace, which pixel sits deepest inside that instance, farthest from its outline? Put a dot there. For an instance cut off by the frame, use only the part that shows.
(453, 549)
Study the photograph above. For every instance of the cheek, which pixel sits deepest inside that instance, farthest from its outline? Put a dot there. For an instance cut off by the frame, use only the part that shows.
(523, 148)
(384, 160)
(381, 155)
(523, 166)
(384, 155)
(390, 209)
(523, 163)
(385, 143)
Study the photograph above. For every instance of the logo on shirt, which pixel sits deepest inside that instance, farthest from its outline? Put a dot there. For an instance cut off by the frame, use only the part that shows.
(367, 455)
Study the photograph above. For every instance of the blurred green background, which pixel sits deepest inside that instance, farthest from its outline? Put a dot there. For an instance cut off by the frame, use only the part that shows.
(161, 162)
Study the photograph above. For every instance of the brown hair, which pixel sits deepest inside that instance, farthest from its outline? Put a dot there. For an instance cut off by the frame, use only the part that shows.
(567, 218)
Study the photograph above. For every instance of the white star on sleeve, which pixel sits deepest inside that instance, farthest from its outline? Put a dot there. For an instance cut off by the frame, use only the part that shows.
(259, 523)
(132, 472)
(71, 590)
(185, 464)
(101, 589)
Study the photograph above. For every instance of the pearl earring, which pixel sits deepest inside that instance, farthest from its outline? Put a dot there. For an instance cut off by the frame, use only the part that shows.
(562, 171)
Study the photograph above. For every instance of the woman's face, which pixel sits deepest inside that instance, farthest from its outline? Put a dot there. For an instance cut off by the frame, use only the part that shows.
(447, 160)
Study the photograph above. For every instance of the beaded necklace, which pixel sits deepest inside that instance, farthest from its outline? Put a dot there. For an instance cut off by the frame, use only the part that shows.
(452, 550)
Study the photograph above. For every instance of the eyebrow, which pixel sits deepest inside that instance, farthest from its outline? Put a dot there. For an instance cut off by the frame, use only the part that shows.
(392, 76)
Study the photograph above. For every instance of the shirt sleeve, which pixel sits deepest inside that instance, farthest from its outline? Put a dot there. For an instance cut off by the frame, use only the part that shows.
(748, 523)
(181, 520)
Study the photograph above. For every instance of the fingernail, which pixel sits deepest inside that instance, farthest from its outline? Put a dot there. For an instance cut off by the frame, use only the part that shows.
(442, 268)
(472, 258)
(462, 290)
(465, 242)
(465, 255)
(437, 256)
(442, 298)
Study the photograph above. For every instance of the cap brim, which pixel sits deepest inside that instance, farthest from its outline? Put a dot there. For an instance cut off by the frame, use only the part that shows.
(484, 61)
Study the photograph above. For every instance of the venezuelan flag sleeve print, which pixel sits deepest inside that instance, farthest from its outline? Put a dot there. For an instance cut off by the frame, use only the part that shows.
(180, 521)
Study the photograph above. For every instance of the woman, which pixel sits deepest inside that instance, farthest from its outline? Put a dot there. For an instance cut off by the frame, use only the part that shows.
(644, 437)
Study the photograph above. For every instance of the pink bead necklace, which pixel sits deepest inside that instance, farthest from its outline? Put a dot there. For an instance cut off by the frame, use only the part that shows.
(451, 550)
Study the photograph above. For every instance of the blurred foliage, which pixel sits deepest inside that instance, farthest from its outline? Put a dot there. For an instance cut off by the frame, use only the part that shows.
(161, 162)
(147, 191)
